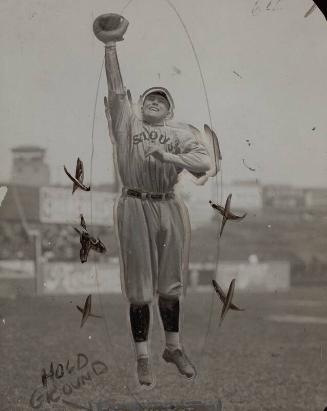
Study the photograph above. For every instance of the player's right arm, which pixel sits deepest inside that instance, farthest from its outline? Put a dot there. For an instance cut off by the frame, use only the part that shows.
(109, 28)
(118, 107)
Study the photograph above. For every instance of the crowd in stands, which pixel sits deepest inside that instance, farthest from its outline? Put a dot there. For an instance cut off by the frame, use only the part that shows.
(62, 243)
(14, 242)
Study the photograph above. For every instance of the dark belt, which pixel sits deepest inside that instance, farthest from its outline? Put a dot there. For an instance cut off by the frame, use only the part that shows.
(144, 196)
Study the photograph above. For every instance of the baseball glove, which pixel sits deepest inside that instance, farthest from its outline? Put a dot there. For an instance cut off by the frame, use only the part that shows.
(110, 27)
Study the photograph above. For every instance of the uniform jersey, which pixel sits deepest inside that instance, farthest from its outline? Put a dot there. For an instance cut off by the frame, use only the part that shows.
(133, 139)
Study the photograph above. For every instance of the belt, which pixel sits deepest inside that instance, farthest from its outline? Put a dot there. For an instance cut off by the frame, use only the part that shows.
(144, 196)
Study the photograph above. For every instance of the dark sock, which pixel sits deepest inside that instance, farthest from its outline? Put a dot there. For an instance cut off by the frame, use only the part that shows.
(140, 321)
(169, 312)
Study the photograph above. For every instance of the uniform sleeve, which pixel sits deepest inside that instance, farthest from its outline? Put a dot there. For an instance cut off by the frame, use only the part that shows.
(120, 113)
(194, 156)
(119, 109)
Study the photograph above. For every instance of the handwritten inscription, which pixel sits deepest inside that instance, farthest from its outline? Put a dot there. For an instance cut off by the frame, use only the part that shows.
(63, 379)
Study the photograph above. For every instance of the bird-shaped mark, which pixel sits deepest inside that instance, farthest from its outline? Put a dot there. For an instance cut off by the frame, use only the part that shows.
(86, 311)
(129, 96)
(222, 296)
(79, 176)
(210, 140)
(226, 299)
(83, 223)
(248, 167)
(217, 157)
(88, 242)
(226, 213)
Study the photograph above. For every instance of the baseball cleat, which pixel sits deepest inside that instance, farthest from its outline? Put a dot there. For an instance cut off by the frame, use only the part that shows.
(183, 364)
(144, 372)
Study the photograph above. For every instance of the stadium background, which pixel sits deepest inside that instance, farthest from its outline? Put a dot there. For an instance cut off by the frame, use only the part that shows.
(270, 357)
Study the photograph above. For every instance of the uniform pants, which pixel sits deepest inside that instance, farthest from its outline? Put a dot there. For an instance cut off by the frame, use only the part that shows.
(152, 245)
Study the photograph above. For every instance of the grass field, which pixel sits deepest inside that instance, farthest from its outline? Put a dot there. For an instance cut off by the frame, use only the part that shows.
(273, 356)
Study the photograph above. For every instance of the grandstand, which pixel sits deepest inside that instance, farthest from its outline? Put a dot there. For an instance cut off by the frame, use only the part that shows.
(283, 223)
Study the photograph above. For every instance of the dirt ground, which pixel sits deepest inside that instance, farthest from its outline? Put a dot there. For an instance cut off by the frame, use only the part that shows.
(272, 356)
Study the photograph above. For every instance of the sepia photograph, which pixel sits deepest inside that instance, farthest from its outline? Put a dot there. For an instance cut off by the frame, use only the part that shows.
(163, 205)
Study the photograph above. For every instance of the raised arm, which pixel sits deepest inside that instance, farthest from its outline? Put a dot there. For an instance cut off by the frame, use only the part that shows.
(109, 28)
(114, 78)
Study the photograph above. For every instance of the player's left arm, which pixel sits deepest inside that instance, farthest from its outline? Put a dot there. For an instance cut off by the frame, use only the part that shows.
(194, 157)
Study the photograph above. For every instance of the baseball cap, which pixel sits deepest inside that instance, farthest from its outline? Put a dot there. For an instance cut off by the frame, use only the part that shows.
(161, 91)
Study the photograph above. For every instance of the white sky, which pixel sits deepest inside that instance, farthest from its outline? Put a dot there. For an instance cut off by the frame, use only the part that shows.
(50, 62)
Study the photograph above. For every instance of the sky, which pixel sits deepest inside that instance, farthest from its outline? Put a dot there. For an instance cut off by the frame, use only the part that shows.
(264, 73)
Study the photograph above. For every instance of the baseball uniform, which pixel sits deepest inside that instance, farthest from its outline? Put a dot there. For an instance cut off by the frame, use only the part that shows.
(151, 223)
(152, 231)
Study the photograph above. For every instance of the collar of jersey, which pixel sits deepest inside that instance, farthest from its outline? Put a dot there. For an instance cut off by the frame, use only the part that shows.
(161, 124)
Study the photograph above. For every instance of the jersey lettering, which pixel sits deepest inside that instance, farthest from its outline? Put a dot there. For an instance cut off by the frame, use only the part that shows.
(137, 139)
(143, 136)
(163, 139)
(174, 148)
(153, 135)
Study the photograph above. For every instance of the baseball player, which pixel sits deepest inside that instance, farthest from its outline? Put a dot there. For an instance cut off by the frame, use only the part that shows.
(151, 222)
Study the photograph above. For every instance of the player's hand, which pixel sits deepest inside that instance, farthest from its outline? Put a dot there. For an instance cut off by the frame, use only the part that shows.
(110, 27)
(157, 152)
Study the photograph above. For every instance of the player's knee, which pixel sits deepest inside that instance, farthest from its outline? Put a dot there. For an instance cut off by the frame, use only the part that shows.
(140, 303)
(171, 292)
(167, 298)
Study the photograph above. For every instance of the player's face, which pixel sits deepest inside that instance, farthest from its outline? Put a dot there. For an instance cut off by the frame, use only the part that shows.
(155, 108)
